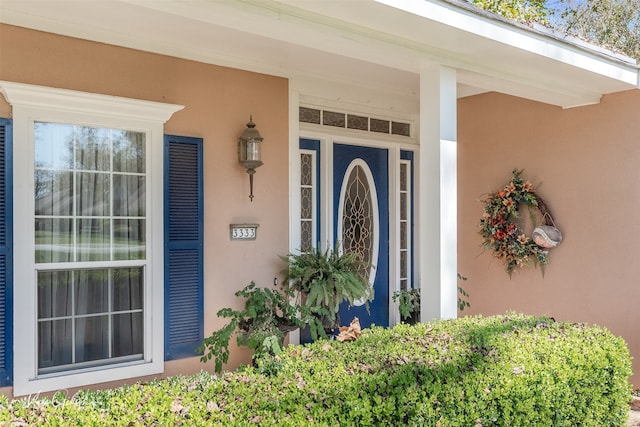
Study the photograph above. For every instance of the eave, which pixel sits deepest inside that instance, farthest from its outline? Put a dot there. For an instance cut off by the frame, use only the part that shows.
(381, 44)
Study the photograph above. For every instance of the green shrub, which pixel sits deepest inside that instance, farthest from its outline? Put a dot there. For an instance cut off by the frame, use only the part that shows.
(507, 370)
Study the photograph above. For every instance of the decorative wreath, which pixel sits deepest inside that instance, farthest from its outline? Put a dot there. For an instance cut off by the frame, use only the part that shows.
(501, 233)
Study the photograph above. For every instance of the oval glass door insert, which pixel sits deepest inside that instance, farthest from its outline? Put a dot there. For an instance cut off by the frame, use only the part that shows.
(358, 216)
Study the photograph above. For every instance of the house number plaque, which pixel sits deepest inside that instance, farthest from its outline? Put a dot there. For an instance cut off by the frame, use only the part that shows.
(243, 231)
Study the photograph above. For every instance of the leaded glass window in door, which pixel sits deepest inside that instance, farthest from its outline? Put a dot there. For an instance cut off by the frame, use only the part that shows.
(358, 216)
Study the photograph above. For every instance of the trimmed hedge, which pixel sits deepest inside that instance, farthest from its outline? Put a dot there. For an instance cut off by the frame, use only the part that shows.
(509, 370)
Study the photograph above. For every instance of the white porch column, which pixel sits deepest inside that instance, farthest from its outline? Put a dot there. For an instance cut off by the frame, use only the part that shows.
(438, 193)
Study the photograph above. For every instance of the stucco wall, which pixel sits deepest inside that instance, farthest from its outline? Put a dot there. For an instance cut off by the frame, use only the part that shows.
(218, 102)
(585, 163)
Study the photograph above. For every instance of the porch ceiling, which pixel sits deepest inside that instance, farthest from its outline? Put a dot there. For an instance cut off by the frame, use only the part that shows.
(365, 43)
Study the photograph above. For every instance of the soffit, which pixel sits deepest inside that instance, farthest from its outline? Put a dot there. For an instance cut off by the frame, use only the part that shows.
(362, 44)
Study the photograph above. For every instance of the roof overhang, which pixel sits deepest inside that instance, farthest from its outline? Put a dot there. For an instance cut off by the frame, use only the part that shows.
(369, 43)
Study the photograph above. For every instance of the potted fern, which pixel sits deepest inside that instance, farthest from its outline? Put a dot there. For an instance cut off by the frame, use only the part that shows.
(268, 315)
(325, 279)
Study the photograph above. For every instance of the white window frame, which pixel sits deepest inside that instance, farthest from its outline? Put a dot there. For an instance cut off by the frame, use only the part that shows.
(44, 104)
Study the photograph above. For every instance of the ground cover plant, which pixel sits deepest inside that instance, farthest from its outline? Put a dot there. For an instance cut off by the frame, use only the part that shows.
(509, 370)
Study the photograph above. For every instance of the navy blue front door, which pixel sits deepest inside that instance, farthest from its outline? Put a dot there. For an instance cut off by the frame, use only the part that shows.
(361, 222)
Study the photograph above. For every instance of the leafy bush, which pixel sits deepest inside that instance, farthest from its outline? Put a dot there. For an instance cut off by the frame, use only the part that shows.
(507, 370)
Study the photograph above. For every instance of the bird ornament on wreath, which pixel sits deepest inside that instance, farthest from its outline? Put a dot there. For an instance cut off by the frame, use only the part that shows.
(505, 238)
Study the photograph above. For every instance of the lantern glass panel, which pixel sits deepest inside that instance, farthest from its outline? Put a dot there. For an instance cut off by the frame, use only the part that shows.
(253, 150)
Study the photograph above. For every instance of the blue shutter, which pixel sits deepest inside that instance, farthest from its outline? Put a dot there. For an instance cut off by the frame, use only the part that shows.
(183, 246)
(6, 257)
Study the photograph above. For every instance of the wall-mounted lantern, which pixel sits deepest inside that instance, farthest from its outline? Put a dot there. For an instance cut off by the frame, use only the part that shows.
(249, 151)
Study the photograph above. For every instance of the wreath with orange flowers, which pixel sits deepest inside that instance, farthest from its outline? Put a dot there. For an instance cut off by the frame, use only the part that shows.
(500, 232)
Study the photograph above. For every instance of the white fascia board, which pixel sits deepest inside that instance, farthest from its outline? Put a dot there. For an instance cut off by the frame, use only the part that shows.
(520, 38)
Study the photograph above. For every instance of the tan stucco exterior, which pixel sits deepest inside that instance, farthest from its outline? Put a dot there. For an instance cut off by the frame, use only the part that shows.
(218, 102)
(584, 162)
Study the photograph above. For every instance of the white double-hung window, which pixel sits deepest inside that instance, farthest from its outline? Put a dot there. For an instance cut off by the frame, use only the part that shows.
(90, 245)
(88, 251)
